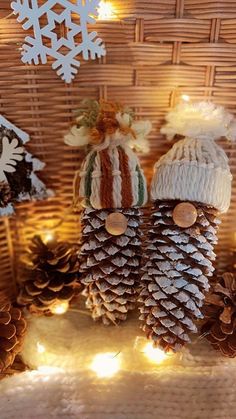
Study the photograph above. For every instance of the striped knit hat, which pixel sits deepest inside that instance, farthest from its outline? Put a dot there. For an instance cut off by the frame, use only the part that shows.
(111, 176)
(196, 168)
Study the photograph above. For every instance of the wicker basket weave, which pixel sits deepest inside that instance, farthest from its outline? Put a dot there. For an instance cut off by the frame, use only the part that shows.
(155, 52)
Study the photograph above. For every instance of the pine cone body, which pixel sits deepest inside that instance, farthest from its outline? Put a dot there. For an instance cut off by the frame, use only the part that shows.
(5, 194)
(53, 276)
(179, 262)
(12, 330)
(110, 265)
(220, 313)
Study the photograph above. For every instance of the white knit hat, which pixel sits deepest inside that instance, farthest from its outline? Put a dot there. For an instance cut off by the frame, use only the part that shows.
(196, 168)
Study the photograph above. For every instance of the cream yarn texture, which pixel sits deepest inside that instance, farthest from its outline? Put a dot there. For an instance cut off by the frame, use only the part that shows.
(196, 168)
(198, 384)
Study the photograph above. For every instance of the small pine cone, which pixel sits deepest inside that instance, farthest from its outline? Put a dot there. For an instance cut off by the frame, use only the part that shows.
(12, 330)
(179, 262)
(53, 276)
(220, 314)
(110, 265)
(5, 194)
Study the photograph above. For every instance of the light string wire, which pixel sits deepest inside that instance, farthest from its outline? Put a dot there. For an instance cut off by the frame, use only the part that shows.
(7, 17)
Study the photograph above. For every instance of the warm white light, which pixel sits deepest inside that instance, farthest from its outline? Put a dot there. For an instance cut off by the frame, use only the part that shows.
(40, 348)
(48, 237)
(47, 370)
(60, 307)
(106, 365)
(186, 98)
(154, 354)
(105, 11)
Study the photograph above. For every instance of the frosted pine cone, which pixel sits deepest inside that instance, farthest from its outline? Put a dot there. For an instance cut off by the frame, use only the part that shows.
(179, 262)
(110, 265)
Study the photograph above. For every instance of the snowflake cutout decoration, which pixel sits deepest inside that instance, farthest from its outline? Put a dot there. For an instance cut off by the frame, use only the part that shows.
(34, 50)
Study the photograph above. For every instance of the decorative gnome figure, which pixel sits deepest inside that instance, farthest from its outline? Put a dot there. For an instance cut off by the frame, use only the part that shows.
(190, 186)
(113, 187)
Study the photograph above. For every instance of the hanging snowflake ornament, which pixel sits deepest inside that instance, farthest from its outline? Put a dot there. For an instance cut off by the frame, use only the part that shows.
(18, 180)
(64, 49)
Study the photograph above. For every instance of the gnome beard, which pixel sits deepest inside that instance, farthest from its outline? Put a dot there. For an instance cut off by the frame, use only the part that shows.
(190, 186)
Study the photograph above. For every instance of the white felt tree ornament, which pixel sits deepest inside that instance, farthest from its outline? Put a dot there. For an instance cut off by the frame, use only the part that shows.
(18, 178)
(35, 49)
(11, 154)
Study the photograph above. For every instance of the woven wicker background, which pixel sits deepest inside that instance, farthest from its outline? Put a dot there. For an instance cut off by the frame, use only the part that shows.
(156, 51)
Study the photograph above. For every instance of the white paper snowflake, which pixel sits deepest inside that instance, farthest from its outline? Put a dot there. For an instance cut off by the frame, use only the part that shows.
(35, 50)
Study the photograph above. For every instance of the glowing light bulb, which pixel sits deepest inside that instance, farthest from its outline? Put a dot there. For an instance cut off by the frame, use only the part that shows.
(40, 348)
(48, 237)
(154, 354)
(106, 365)
(106, 11)
(59, 307)
(185, 98)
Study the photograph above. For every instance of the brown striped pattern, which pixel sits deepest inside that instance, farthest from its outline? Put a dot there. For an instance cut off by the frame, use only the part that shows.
(126, 182)
(106, 187)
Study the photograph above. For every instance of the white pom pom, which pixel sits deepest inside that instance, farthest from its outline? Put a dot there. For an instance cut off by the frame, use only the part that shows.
(199, 120)
(141, 130)
(77, 137)
(231, 134)
(124, 119)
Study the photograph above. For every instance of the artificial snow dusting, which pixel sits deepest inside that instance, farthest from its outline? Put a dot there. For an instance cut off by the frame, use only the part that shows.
(198, 383)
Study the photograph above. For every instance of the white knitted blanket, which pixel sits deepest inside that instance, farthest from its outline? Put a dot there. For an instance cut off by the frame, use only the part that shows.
(196, 385)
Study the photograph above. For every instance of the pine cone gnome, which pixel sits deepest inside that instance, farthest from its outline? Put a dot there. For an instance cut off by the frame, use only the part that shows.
(190, 186)
(220, 314)
(52, 277)
(113, 186)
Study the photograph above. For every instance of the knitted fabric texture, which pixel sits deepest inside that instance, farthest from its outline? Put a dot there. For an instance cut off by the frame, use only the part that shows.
(199, 383)
(196, 168)
(112, 178)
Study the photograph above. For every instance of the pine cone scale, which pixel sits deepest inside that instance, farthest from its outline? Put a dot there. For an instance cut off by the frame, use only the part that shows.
(8, 344)
(5, 318)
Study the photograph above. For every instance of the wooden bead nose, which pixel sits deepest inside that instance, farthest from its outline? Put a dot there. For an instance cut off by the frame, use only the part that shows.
(116, 224)
(185, 214)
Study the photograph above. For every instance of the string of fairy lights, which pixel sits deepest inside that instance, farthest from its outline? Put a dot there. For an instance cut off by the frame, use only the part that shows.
(107, 364)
